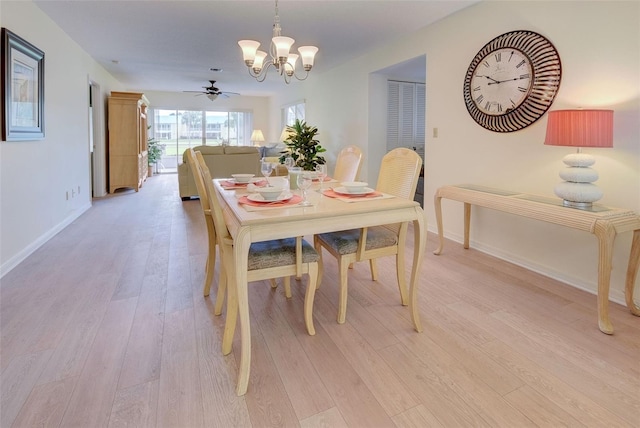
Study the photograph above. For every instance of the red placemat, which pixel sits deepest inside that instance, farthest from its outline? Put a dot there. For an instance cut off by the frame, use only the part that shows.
(230, 184)
(295, 200)
(330, 193)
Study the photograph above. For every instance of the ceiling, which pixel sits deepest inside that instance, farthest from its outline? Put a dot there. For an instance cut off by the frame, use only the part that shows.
(172, 45)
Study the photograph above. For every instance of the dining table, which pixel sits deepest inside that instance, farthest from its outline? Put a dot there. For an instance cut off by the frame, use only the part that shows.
(249, 223)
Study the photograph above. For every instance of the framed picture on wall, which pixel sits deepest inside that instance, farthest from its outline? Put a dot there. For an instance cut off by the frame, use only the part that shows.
(22, 89)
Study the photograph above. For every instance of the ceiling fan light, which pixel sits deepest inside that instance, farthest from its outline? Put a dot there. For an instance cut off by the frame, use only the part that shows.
(249, 48)
(282, 44)
(308, 54)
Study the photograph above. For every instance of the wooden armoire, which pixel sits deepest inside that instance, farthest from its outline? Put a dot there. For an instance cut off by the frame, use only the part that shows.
(127, 131)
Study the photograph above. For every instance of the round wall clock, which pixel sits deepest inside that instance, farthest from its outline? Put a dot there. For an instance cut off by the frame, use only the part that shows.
(512, 81)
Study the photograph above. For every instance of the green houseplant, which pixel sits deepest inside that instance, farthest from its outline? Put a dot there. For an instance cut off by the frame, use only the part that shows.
(154, 152)
(302, 146)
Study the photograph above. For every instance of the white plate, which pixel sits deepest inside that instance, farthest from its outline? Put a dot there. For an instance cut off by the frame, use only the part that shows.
(256, 197)
(344, 191)
(244, 183)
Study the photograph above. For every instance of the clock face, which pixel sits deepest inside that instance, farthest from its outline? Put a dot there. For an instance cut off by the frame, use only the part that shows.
(512, 81)
(501, 81)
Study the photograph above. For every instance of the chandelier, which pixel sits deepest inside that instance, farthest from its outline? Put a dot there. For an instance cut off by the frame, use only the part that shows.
(258, 62)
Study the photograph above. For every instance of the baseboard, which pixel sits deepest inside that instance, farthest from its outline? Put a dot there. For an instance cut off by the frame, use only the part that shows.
(27, 251)
(615, 295)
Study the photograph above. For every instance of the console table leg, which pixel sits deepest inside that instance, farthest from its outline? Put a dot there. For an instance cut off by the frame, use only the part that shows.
(606, 233)
(632, 272)
(467, 223)
(420, 241)
(437, 200)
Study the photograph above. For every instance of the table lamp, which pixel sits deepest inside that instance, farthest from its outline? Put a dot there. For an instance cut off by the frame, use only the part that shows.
(256, 137)
(286, 133)
(579, 128)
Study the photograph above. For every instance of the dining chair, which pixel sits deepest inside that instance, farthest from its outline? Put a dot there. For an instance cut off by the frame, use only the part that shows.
(211, 232)
(280, 170)
(267, 260)
(398, 176)
(348, 164)
(194, 166)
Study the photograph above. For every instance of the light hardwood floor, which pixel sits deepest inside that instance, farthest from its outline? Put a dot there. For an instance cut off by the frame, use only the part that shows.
(106, 325)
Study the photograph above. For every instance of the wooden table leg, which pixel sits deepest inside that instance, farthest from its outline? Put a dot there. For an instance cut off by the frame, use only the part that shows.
(419, 239)
(242, 242)
(467, 224)
(632, 272)
(438, 206)
(606, 233)
(231, 317)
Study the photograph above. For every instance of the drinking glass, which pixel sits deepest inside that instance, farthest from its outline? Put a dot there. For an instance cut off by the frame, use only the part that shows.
(321, 172)
(304, 182)
(294, 171)
(266, 168)
(289, 162)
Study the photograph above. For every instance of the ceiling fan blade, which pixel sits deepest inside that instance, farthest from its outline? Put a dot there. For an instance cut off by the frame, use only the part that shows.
(212, 92)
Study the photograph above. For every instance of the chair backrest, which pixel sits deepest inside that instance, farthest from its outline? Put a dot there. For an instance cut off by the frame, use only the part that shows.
(399, 173)
(348, 164)
(190, 154)
(222, 233)
(279, 170)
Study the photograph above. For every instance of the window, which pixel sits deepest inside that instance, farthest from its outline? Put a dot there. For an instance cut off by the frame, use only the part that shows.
(406, 115)
(178, 130)
(292, 112)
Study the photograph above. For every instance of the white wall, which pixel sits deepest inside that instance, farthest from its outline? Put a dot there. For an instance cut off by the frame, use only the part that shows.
(599, 45)
(35, 175)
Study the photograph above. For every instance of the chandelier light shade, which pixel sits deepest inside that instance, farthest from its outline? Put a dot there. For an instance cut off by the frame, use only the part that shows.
(579, 128)
(257, 137)
(279, 57)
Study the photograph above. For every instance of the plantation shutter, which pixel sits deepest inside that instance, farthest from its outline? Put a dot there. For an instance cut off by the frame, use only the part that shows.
(393, 114)
(405, 115)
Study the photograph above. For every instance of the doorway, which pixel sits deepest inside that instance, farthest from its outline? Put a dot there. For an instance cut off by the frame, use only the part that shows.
(397, 112)
(97, 149)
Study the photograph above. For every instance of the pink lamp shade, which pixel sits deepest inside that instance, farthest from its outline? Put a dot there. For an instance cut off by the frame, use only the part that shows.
(580, 128)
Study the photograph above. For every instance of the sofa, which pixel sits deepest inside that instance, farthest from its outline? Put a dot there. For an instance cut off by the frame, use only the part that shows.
(222, 162)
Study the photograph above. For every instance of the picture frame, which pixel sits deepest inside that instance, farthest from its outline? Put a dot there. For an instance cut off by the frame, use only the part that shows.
(22, 89)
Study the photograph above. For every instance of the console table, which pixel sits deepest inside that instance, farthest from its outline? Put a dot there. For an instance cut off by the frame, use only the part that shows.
(604, 222)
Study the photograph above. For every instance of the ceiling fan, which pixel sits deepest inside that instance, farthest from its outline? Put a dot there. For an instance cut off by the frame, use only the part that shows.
(212, 92)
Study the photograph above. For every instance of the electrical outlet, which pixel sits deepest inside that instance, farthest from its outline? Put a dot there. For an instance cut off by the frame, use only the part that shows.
(435, 132)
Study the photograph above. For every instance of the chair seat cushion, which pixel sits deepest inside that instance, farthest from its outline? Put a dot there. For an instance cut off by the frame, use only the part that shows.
(346, 241)
(279, 252)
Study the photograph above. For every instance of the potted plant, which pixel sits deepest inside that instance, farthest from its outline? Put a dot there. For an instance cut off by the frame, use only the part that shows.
(154, 153)
(302, 146)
